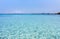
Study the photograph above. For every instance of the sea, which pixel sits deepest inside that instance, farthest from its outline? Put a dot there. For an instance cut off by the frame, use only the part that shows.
(29, 26)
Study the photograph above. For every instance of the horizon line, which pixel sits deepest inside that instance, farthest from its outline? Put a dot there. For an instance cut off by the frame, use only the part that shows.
(29, 14)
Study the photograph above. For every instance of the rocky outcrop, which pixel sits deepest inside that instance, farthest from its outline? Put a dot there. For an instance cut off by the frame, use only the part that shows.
(58, 13)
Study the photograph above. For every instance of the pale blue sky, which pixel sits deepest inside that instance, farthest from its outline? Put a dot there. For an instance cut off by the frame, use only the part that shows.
(29, 6)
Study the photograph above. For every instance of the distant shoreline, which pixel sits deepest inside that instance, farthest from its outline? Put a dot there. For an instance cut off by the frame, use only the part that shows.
(29, 13)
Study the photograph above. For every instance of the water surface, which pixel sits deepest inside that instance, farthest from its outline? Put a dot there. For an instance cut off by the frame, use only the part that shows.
(29, 26)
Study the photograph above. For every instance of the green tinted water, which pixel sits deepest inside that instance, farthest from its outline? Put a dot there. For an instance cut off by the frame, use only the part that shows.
(29, 27)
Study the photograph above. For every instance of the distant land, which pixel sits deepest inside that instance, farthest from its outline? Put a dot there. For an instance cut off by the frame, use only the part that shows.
(58, 13)
(30, 13)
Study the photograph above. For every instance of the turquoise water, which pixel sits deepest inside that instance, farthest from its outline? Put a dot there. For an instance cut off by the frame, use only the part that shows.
(29, 26)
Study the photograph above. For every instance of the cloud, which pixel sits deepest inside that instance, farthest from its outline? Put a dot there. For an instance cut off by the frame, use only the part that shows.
(12, 11)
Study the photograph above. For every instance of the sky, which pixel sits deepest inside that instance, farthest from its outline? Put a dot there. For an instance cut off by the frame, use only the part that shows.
(29, 6)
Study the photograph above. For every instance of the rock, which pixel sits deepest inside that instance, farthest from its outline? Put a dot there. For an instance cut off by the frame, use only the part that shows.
(58, 13)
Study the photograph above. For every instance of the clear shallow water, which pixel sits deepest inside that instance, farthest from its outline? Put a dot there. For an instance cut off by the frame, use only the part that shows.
(29, 27)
